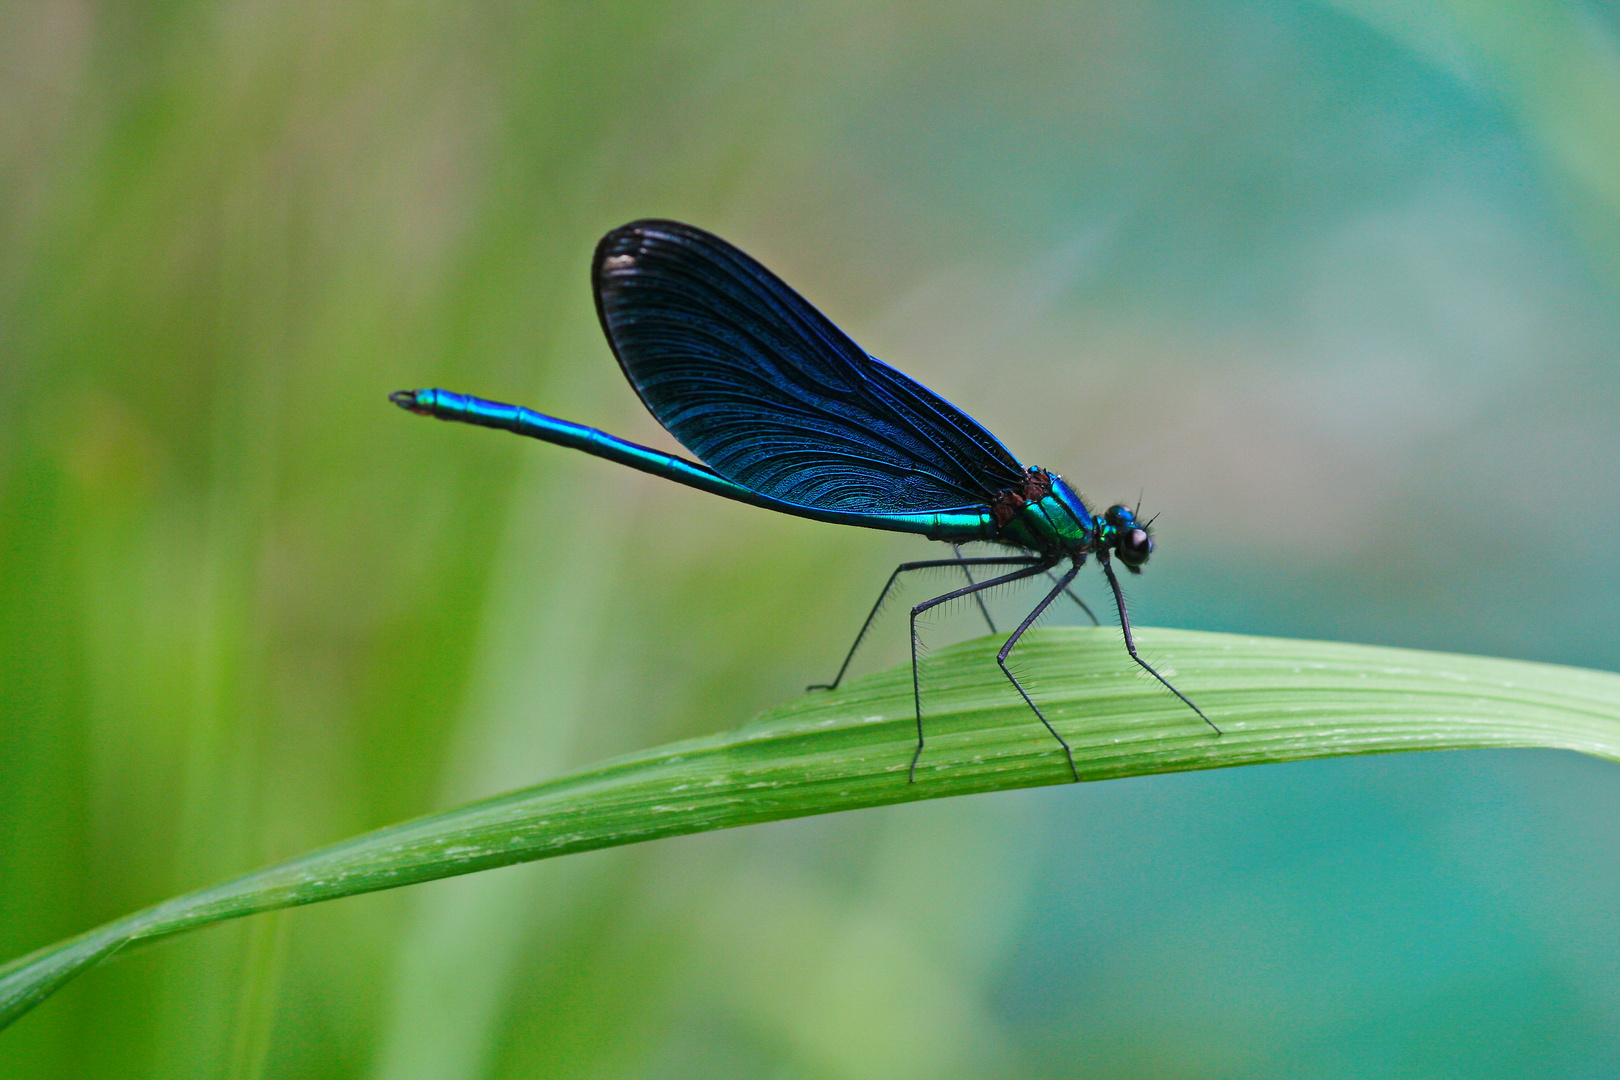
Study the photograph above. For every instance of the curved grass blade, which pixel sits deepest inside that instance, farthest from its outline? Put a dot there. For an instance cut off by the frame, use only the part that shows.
(1277, 700)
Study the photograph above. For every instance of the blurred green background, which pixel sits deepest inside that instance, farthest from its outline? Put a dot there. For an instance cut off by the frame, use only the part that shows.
(1332, 285)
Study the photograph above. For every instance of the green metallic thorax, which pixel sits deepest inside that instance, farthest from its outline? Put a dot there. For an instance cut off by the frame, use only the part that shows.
(1043, 526)
(1055, 523)
(1044, 516)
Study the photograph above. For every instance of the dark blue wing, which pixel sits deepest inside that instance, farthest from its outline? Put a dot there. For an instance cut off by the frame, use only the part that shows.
(767, 392)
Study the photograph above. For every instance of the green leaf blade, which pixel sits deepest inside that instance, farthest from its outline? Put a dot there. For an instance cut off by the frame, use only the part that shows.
(1276, 700)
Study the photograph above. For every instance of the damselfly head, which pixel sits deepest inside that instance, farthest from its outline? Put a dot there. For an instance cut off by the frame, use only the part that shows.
(1131, 540)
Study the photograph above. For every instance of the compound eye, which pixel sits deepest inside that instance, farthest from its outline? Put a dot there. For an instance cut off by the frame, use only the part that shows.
(1135, 545)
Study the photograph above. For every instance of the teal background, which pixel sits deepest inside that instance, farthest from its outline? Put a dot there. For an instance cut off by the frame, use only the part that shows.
(1331, 285)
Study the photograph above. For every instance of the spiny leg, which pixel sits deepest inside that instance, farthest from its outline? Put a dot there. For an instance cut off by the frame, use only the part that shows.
(1130, 643)
(1037, 566)
(1001, 660)
(905, 568)
(1070, 593)
(978, 598)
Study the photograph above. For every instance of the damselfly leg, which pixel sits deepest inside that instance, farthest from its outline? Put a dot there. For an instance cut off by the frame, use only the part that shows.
(1001, 661)
(927, 564)
(1130, 642)
(1039, 566)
